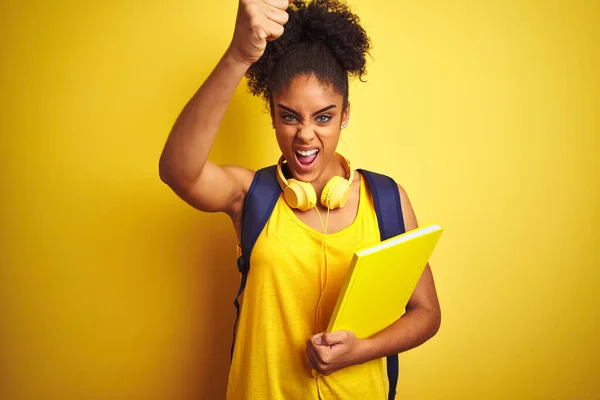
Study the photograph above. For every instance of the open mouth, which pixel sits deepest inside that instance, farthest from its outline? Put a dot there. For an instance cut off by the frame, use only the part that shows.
(306, 158)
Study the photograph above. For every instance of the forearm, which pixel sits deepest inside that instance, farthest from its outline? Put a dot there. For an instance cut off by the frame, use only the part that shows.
(414, 328)
(194, 131)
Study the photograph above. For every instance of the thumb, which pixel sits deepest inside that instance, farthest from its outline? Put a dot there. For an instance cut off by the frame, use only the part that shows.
(330, 338)
(262, 34)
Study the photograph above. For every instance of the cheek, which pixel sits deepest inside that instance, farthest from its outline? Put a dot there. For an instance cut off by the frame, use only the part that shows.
(284, 136)
(329, 133)
(284, 133)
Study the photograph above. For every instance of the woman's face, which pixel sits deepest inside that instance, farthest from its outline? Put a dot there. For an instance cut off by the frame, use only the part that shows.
(308, 117)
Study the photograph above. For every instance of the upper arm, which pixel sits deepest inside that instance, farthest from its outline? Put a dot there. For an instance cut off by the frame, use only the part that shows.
(425, 293)
(217, 188)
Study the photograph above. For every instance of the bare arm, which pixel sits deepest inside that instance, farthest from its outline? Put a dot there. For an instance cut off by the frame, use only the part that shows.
(422, 318)
(184, 164)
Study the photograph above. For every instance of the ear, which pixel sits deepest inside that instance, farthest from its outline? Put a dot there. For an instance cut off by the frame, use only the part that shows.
(346, 114)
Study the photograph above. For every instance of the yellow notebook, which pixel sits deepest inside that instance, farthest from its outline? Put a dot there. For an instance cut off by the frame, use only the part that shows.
(380, 281)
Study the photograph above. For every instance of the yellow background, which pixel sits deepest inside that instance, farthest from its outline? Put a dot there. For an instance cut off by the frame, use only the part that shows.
(487, 112)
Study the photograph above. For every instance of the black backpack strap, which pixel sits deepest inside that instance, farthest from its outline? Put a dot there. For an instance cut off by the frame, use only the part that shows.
(386, 199)
(258, 206)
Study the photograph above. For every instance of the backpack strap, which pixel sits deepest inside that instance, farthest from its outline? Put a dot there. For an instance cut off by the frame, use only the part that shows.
(386, 199)
(258, 206)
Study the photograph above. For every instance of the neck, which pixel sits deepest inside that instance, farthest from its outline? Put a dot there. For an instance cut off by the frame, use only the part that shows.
(334, 168)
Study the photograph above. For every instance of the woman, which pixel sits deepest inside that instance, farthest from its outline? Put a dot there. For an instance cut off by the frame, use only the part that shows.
(298, 57)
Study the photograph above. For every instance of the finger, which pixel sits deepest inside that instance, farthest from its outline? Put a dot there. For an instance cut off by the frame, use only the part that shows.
(315, 336)
(312, 356)
(271, 30)
(280, 4)
(278, 16)
(321, 354)
(308, 358)
(319, 359)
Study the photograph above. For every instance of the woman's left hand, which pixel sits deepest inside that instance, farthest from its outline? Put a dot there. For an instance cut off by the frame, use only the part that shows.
(332, 351)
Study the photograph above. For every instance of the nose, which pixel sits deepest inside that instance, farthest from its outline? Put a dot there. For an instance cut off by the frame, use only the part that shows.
(305, 133)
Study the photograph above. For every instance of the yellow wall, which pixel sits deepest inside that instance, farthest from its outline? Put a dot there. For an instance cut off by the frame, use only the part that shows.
(486, 111)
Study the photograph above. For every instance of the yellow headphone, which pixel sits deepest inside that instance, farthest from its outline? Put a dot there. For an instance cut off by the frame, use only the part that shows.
(302, 195)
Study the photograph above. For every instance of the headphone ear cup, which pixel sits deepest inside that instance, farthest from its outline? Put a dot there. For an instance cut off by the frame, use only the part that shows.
(336, 193)
(300, 195)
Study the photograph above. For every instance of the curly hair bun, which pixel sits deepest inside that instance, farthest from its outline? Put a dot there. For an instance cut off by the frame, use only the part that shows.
(323, 38)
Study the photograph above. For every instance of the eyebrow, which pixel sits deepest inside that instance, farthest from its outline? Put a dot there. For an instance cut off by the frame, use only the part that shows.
(312, 115)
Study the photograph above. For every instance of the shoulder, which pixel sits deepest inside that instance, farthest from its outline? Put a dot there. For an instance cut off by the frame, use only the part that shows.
(408, 213)
(357, 177)
(266, 175)
(256, 183)
(403, 195)
(243, 175)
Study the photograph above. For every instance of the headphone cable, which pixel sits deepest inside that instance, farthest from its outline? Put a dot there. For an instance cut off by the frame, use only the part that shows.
(323, 271)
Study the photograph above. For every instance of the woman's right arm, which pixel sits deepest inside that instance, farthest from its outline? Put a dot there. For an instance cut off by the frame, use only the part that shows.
(184, 164)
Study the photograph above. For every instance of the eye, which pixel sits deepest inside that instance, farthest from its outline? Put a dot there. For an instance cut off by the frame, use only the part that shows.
(323, 118)
(289, 118)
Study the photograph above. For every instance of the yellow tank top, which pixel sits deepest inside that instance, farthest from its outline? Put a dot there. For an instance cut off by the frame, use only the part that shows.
(280, 310)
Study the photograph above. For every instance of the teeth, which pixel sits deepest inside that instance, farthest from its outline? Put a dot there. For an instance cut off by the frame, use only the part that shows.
(307, 152)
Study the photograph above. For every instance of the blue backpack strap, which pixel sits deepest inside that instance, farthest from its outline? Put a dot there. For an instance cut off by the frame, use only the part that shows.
(258, 206)
(386, 199)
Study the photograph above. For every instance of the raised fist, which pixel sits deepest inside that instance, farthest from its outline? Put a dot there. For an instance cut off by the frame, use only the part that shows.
(257, 21)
